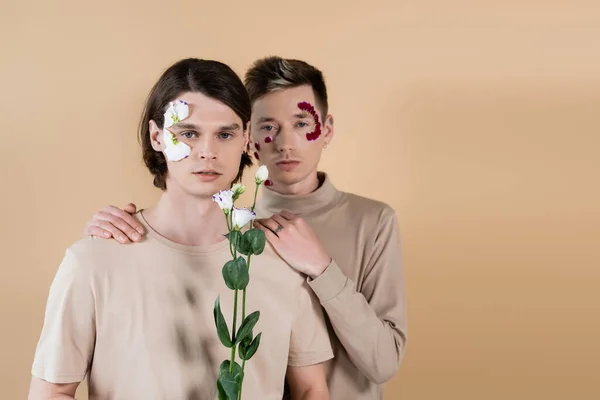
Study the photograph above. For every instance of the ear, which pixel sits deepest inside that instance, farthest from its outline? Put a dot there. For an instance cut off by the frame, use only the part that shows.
(155, 136)
(328, 130)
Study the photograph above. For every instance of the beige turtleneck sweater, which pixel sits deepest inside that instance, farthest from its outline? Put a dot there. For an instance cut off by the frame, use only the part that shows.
(362, 290)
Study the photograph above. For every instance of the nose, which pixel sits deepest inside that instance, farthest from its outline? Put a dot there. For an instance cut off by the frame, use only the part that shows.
(285, 140)
(206, 148)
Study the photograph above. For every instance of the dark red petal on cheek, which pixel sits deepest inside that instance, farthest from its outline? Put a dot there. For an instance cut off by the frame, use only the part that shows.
(257, 146)
(310, 136)
(256, 156)
(268, 139)
(268, 182)
(305, 106)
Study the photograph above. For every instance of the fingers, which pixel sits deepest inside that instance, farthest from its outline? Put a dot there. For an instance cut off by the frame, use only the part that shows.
(114, 231)
(123, 221)
(126, 217)
(270, 224)
(288, 215)
(130, 208)
(95, 231)
(279, 220)
(269, 235)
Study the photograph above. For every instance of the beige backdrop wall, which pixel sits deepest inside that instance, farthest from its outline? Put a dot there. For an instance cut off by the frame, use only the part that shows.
(476, 121)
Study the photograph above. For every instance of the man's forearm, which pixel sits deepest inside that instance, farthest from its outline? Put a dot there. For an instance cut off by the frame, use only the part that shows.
(374, 343)
(43, 390)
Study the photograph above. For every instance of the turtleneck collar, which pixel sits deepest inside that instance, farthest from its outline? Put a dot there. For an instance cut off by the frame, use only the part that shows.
(325, 197)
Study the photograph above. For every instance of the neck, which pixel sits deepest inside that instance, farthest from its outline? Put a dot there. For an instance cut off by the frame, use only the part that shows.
(187, 219)
(305, 186)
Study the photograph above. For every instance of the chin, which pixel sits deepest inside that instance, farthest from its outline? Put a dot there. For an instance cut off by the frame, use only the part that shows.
(289, 178)
(206, 189)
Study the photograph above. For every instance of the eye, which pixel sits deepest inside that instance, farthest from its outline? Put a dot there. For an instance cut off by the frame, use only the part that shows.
(188, 134)
(225, 135)
(267, 128)
(302, 124)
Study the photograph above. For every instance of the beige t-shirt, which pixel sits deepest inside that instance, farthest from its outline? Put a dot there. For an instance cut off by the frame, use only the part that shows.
(138, 319)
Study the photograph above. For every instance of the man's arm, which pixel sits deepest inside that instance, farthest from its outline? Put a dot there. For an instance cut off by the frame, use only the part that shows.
(42, 390)
(66, 345)
(370, 324)
(307, 383)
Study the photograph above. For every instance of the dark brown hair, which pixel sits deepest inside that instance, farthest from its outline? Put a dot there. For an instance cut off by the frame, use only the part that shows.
(275, 73)
(211, 78)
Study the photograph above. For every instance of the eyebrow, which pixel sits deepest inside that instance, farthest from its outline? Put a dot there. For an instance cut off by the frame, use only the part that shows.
(232, 127)
(187, 125)
(270, 119)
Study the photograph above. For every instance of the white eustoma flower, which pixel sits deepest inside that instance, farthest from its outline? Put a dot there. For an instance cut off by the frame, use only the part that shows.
(241, 216)
(262, 174)
(175, 150)
(176, 112)
(237, 190)
(224, 199)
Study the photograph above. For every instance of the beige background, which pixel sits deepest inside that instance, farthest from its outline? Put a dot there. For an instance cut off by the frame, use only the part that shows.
(477, 122)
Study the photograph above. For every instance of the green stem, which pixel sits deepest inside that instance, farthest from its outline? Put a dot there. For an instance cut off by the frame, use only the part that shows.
(244, 295)
(244, 305)
(240, 392)
(235, 251)
(227, 220)
(255, 193)
(233, 331)
(229, 230)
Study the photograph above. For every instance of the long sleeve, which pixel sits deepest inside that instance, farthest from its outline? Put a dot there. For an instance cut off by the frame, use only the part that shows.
(370, 323)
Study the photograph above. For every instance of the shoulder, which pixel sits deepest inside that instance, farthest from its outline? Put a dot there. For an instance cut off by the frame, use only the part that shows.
(91, 246)
(370, 211)
(91, 253)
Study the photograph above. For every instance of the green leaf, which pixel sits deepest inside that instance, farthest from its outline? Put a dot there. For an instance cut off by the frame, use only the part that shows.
(246, 327)
(243, 245)
(244, 344)
(256, 239)
(221, 324)
(249, 350)
(237, 239)
(224, 367)
(235, 273)
(221, 392)
(230, 382)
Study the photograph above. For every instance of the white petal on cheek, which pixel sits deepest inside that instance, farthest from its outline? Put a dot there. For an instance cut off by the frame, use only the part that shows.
(178, 153)
(174, 151)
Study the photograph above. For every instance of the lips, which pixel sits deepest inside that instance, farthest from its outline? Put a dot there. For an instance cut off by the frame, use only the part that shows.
(287, 162)
(206, 172)
(288, 165)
